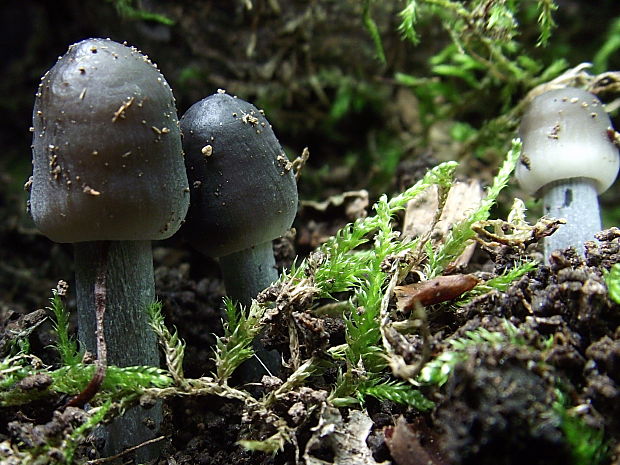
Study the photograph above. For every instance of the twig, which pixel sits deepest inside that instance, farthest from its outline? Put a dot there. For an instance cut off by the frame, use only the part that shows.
(102, 355)
(125, 452)
(388, 332)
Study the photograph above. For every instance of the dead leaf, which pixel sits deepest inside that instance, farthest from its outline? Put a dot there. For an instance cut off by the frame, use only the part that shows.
(354, 203)
(463, 199)
(405, 446)
(434, 291)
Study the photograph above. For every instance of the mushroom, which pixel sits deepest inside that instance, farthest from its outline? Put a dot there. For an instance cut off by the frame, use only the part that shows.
(243, 194)
(568, 159)
(109, 177)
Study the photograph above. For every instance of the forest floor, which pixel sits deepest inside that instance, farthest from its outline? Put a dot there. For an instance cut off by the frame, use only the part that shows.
(497, 406)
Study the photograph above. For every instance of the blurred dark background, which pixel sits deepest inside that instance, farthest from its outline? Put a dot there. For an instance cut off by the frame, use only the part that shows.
(310, 64)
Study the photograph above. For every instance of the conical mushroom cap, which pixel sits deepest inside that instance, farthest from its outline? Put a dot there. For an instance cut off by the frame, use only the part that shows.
(565, 135)
(243, 191)
(107, 154)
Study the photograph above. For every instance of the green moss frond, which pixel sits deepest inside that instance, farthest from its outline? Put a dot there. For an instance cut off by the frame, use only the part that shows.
(612, 279)
(96, 416)
(438, 371)
(235, 346)
(373, 30)
(66, 345)
(395, 391)
(587, 445)
(462, 232)
(172, 345)
(126, 9)
(545, 20)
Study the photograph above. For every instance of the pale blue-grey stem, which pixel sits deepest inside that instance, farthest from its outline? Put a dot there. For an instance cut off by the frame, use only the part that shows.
(576, 201)
(246, 273)
(130, 340)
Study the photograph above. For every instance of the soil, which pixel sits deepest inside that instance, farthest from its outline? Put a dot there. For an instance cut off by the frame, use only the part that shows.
(493, 409)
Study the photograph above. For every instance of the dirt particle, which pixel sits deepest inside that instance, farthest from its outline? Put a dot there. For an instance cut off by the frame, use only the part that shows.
(247, 118)
(36, 382)
(120, 113)
(554, 132)
(284, 163)
(55, 171)
(90, 191)
(525, 161)
(207, 150)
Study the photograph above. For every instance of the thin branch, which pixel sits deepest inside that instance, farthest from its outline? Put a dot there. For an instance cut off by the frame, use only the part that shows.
(102, 355)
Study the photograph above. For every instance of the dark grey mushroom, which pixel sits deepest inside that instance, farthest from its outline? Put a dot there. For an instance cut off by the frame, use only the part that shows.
(243, 191)
(568, 159)
(109, 177)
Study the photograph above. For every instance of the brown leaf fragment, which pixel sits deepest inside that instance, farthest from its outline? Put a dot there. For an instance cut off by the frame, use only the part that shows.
(405, 445)
(434, 291)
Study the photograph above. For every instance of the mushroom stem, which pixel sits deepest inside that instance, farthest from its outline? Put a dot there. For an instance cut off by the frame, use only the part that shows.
(130, 340)
(576, 201)
(246, 273)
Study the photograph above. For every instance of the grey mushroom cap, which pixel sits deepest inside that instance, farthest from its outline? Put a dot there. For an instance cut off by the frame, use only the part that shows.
(107, 153)
(565, 136)
(243, 191)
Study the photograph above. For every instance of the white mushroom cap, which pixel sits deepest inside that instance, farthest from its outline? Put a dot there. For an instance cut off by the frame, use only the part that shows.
(565, 135)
